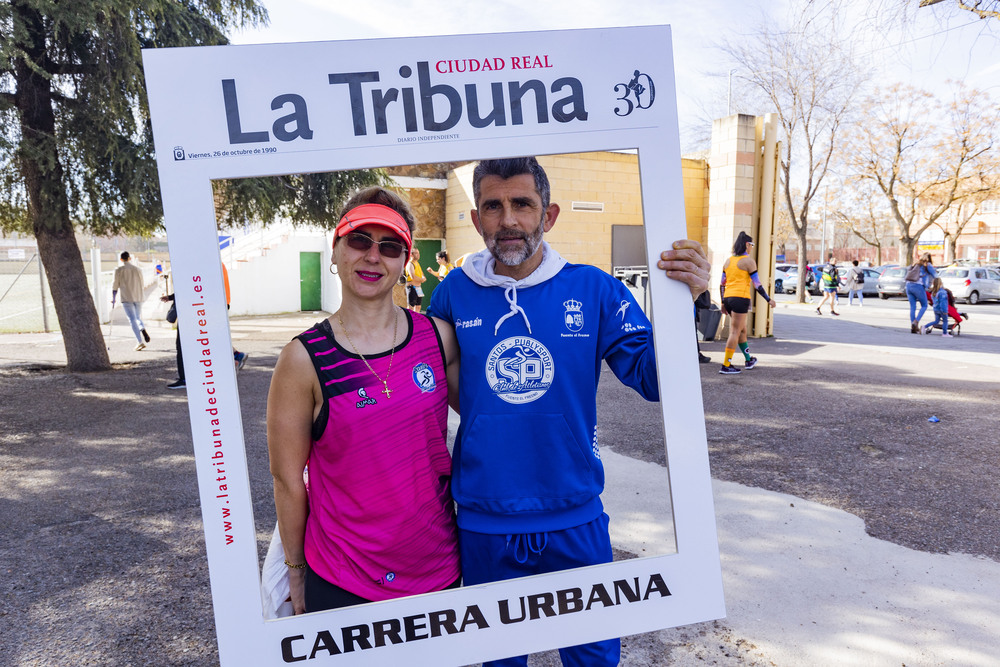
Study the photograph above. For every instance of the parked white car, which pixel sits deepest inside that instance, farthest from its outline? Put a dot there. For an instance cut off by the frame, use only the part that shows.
(971, 283)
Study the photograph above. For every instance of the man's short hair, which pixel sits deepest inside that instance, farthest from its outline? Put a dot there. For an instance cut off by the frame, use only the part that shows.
(508, 168)
(124, 256)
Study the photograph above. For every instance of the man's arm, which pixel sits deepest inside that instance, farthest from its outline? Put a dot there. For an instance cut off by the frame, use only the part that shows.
(687, 262)
(633, 361)
(451, 358)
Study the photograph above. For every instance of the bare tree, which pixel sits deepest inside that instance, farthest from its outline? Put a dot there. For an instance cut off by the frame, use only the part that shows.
(810, 76)
(984, 9)
(862, 213)
(922, 157)
(966, 210)
(783, 231)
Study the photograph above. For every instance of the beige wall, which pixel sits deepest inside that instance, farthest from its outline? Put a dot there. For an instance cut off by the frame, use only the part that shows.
(732, 202)
(582, 237)
(460, 235)
(694, 174)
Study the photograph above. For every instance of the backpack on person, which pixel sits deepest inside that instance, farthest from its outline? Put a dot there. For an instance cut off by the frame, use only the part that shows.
(913, 274)
(829, 276)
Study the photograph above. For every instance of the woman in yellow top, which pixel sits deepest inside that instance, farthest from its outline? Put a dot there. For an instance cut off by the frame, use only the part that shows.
(444, 266)
(414, 279)
(739, 281)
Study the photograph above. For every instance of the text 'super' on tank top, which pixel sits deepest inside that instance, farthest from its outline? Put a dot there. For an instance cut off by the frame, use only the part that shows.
(381, 520)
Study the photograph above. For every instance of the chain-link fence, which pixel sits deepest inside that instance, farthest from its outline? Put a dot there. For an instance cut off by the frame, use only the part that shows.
(25, 301)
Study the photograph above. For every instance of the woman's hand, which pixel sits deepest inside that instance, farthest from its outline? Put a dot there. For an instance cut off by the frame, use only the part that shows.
(297, 587)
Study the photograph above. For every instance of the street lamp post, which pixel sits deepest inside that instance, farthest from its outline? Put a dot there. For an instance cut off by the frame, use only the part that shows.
(729, 99)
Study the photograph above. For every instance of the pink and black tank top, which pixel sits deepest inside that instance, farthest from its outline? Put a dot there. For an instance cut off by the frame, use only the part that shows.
(381, 519)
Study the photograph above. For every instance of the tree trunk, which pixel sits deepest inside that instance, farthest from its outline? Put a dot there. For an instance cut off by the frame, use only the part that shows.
(81, 328)
(800, 289)
(48, 208)
(949, 248)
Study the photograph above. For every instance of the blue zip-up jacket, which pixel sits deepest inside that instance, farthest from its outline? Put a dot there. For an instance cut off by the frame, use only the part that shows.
(526, 456)
(941, 301)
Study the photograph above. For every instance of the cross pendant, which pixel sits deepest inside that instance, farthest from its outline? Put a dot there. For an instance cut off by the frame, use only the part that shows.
(386, 391)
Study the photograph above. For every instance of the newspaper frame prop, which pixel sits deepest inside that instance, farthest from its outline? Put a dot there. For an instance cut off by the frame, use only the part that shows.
(243, 111)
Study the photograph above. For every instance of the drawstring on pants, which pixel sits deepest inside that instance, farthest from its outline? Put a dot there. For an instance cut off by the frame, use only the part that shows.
(528, 543)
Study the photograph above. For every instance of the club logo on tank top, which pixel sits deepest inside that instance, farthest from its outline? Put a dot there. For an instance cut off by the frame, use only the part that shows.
(423, 377)
(365, 399)
(519, 369)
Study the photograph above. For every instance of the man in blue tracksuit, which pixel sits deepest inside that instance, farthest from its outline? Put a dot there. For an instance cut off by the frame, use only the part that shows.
(533, 330)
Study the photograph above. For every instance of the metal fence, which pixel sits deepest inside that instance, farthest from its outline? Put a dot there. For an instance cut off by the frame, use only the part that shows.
(25, 301)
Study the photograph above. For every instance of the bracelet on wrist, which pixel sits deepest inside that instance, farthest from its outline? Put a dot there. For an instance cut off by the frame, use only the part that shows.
(300, 566)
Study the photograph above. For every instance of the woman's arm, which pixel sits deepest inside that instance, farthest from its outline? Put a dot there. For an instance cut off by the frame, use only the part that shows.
(291, 407)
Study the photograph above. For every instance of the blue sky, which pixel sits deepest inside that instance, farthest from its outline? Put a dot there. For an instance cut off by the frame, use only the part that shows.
(929, 52)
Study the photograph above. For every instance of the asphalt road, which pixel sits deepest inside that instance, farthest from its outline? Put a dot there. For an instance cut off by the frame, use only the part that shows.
(103, 554)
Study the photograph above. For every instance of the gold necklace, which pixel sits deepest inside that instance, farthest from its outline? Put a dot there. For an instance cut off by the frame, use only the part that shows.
(395, 328)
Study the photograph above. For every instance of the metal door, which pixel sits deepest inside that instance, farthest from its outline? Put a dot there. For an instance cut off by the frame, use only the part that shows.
(309, 280)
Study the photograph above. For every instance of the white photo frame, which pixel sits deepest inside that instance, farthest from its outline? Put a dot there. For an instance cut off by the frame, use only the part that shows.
(241, 111)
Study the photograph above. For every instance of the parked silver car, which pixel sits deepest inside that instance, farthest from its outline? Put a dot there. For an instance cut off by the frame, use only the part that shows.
(972, 283)
(780, 276)
(871, 280)
(892, 282)
(790, 281)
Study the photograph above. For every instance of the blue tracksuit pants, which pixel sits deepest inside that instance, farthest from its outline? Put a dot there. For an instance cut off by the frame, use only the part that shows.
(488, 558)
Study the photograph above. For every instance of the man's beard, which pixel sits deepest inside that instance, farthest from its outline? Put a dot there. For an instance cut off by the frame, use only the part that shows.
(515, 256)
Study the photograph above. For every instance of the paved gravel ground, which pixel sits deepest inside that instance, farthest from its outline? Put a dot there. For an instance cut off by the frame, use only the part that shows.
(103, 553)
(835, 435)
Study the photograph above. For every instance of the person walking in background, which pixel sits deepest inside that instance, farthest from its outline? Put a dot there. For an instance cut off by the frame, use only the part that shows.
(739, 281)
(239, 358)
(829, 280)
(918, 281)
(940, 308)
(179, 383)
(414, 279)
(444, 266)
(856, 284)
(703, 302)
(129, 279)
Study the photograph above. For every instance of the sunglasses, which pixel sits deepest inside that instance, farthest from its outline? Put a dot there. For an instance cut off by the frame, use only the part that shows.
(390, 249)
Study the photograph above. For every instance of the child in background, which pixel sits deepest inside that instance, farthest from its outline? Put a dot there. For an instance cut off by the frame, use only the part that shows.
(940, 296)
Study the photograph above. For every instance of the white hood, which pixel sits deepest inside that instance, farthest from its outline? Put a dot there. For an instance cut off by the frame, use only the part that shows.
(481, 269)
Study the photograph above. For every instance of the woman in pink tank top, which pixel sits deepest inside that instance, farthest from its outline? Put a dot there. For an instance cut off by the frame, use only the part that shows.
(361, 399)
